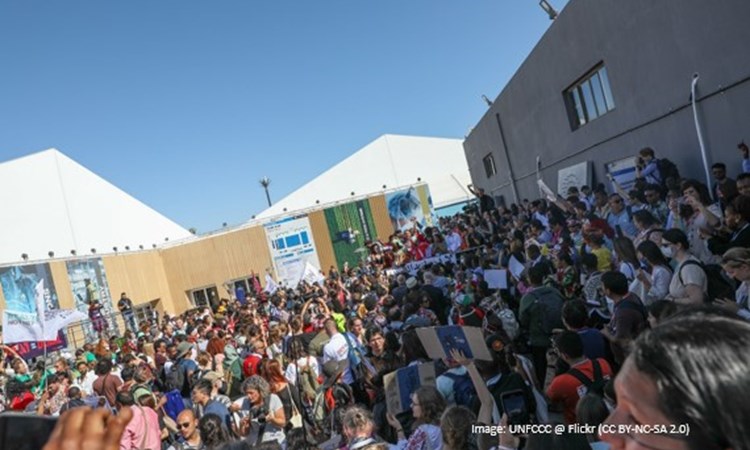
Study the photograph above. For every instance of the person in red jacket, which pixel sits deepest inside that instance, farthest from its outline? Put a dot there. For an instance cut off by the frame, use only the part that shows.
(585, 375)
(251, 364)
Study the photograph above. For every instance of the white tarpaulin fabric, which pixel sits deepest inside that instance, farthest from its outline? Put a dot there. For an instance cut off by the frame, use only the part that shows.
(26, 327)
(271, 285)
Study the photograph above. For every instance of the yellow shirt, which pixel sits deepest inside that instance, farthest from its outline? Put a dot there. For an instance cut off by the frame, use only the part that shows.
(603, 259)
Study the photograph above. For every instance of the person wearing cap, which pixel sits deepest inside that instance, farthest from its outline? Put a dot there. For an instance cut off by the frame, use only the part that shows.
(184, 363)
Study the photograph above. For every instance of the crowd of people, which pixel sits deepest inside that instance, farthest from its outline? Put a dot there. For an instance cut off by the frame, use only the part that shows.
(624, 308)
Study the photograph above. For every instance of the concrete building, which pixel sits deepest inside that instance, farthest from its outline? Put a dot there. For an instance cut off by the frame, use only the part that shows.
(634, 62)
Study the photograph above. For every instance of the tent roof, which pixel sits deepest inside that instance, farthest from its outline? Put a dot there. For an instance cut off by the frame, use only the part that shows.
(52, 203)
(390, 160)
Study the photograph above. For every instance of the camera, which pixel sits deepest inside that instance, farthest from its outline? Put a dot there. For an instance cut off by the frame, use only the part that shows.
(640, 163)
(259, 414)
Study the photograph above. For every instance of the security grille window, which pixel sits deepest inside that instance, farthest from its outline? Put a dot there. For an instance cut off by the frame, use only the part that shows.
(207, 296)
(489, 165)
(143, 312)
(589, 98)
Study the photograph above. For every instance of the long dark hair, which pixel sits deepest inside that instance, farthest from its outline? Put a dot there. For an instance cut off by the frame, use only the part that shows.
(214, 433)
(652, 253)
(625, 251)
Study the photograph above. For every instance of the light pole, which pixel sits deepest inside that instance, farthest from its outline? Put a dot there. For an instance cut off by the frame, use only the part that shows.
(265, 182)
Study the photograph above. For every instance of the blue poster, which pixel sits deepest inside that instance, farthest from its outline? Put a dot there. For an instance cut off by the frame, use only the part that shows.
(88, 281)
(453, 338)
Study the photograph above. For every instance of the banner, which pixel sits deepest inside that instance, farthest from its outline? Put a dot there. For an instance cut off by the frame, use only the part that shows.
(409, 207)
(350, 225)
(439, 341)
(88, 282)
(291, 243)
(401, 384)
(573, 176)
(623, 172)
(25, 327)
(19, 284)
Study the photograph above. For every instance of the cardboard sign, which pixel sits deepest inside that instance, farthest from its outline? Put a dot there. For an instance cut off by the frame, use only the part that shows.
(496, 279)
(401, 384)
(439, 341)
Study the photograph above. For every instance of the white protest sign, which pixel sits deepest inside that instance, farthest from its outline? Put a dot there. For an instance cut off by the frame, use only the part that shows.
(516, 268)
(496, 278)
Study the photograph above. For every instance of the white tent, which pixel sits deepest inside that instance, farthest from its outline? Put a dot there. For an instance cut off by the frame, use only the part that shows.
(52, 203)
(393, 161)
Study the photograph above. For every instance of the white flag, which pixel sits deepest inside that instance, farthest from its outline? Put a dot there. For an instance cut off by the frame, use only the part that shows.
(311, 274)
(39, 299)
(271, 285)
(26, 327)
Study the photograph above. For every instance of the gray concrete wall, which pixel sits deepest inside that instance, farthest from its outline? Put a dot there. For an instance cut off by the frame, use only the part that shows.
(651, 50)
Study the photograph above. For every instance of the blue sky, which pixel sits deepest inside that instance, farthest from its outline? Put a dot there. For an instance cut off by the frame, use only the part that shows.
(187, 104)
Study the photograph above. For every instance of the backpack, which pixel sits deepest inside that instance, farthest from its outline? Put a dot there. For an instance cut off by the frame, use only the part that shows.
(174, 378)
(718, 285)
(667, 170)
(463, 389)
(308, 381)
(510, 382)
(596, 385)
(550, 309)
(174, 405)
(507, 320)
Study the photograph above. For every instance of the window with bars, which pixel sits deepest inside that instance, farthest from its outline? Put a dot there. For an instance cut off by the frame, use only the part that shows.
(589, 98)
(207, 296)
(489, 165)
(144, 312)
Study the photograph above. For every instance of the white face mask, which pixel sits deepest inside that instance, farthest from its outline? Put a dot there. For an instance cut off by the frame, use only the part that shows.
(667, 251)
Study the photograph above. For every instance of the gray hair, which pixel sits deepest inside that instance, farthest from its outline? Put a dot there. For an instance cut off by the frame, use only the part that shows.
(257, 383)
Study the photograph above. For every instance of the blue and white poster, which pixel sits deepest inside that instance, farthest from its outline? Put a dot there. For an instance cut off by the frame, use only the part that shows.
(292, 247)
(19, 285)
(623, 172)
(88, 281)
(409, 207)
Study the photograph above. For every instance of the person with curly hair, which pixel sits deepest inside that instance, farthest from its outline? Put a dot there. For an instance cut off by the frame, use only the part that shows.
(427, 404)
(264, 419)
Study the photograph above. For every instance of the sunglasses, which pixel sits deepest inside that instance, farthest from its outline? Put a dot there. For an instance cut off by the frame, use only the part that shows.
(180, 426)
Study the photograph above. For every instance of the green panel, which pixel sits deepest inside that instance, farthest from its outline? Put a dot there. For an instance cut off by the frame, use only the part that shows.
(354, 216)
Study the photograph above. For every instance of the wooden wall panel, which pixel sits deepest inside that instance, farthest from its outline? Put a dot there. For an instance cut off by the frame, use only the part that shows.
(322, 238)
(59, 272)
(383, 225)
(141, 275)
(212, 261)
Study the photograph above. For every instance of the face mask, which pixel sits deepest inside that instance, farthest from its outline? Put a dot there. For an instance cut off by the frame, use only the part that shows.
(667, 251)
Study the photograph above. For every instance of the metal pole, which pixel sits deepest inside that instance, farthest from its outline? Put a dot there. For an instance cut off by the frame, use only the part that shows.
(507, 159)
(698, 129)
(268, 196)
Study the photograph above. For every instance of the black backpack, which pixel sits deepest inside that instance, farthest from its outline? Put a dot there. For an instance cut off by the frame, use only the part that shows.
(719, 286)
(174, 378)
(550, 309)
(596, 385)
(667, 170)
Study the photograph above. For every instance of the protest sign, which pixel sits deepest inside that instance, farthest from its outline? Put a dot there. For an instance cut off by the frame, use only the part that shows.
(439, 341)
(516, 268)
(401, 384)
(496, 278)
